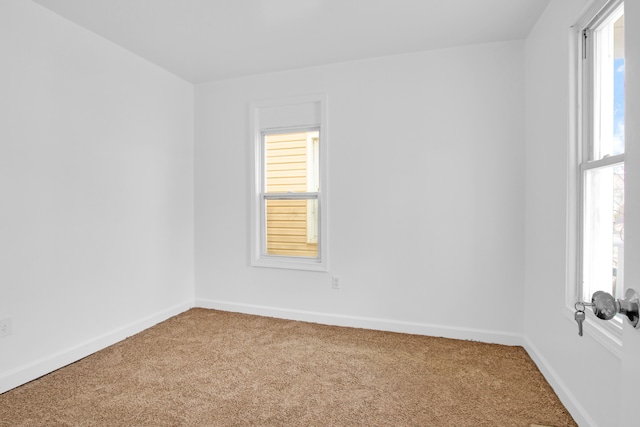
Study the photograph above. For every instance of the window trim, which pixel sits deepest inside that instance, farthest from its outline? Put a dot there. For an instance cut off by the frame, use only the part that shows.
(258, 257)
(313, 162)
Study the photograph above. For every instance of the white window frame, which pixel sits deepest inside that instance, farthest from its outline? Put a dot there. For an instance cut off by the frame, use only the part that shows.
(313, 163)
(608, 333)
(288, 120)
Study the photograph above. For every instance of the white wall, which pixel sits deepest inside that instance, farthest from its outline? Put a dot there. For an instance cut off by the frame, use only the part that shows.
(431, 231)
(96, 185)
(426, 203)
(587, 376)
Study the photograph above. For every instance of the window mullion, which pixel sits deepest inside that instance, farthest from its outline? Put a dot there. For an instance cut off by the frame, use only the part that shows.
(291, 196)
(604, 162)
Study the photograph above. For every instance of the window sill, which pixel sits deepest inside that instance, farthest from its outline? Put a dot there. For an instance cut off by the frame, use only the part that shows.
(290, 263)
(609, 337)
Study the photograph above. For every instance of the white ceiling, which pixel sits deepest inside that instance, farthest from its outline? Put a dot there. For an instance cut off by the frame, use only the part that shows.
(203, 40)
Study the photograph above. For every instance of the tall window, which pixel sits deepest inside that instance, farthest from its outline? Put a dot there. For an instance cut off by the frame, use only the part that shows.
(602, 152)
(289, 190)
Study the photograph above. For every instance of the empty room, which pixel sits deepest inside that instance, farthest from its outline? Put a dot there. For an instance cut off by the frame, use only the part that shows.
(319, 212)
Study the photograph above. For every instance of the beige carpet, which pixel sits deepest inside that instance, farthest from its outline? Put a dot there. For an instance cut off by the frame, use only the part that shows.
(212, 368)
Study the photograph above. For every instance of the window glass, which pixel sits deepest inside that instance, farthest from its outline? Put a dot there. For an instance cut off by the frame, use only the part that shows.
(609, 87)
(287, 228)
(291, 168)
(603, 231)
(289, 165)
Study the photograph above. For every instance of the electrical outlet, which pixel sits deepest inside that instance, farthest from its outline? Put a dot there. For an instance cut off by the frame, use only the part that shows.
(5, 327)
(335, 282)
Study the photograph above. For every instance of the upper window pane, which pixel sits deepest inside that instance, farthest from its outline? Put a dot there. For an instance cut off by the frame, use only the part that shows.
(292, 162)
(609, 87)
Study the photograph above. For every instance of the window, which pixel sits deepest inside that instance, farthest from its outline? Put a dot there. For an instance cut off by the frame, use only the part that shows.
(289, 189)
(289, 193)
(601, 153)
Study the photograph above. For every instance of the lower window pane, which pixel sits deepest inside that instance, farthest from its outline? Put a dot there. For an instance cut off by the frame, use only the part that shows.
(603, 246)
(292, 228)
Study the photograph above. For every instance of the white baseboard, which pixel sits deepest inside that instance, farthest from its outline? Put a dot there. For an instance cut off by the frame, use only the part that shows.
(567, 398)
(31, 371)
(488, 336)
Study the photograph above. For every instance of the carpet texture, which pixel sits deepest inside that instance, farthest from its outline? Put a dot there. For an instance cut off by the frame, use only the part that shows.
(213, 368)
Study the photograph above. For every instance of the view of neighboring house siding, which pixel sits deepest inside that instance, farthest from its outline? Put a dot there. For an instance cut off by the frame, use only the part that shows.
(287, 220)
